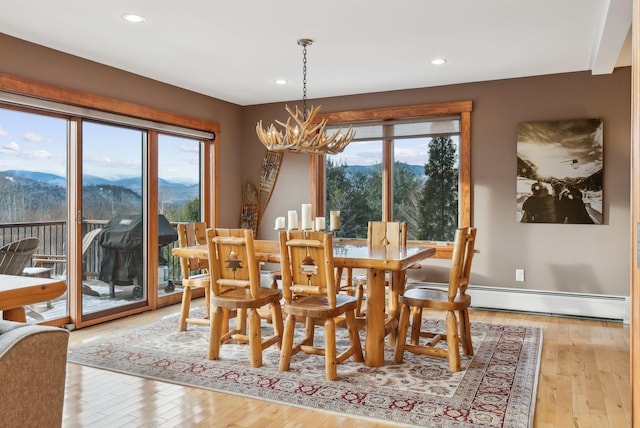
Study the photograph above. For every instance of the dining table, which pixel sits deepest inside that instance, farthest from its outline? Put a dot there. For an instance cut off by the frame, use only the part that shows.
(356, 254)
(18, 291)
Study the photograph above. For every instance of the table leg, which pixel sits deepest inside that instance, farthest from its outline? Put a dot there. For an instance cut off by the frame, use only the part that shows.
(396, 288)
(375, 331)
(15, 314)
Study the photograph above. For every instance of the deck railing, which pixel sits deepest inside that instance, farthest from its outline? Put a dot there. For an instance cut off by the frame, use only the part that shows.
(52, 235)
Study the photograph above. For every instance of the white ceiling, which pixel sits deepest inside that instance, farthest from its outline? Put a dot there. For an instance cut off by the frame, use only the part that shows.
(233, 50)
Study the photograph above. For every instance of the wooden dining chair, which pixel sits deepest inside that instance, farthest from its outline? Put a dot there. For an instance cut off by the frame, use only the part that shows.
(195, 273)
(235, 284)
(453, 299)
(379, 234)
(311, 296)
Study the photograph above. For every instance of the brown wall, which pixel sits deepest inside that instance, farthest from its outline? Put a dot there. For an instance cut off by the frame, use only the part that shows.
(578, 258)
(45, 65)
(573, 258)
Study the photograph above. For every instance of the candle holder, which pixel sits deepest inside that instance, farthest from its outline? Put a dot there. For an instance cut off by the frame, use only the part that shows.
(334, 221)
(320, 224)
(306, 223)
(280, 225)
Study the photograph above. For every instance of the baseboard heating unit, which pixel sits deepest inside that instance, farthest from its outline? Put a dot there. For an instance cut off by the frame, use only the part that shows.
(546, 302)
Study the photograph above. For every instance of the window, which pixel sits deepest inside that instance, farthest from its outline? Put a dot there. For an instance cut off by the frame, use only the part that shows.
(71, 163)
(406, 164)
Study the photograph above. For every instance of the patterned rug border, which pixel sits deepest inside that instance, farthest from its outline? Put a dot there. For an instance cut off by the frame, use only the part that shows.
(304, 390)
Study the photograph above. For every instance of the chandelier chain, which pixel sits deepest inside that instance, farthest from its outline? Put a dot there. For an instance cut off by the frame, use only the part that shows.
(304, 81)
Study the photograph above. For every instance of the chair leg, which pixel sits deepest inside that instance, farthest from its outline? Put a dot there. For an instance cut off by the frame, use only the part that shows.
(416, 325)
(465, 332)
(287, 344)
(453, 342)
(354, 337)
(215, 333)
(207, 301)
(255, 338)
(184, 308)
(330, 363)
(403, 327)
(241, 325)
(309, 330)
(359, 299)
(276, 319)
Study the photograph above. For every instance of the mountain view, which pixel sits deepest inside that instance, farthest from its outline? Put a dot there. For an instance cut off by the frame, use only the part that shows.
(41, 196)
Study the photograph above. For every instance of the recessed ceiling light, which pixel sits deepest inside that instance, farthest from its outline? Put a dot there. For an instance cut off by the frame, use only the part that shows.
(280, 82)
(438, 61)
(133, 17)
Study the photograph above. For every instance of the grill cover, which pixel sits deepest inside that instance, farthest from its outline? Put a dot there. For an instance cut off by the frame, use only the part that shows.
(121, 239)
(124, 232)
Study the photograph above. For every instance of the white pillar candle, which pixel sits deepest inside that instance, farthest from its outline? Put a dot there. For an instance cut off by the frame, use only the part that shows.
(307, 223)
(279, 223)
(334, 220)
(320, 224)
(293, 220)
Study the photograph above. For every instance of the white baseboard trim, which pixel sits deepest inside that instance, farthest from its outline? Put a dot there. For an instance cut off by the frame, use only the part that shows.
(547, 302)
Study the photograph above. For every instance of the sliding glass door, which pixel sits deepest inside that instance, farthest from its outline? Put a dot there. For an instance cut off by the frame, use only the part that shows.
(33, 196)
(113, 275)
(179, 201)
(103, 193)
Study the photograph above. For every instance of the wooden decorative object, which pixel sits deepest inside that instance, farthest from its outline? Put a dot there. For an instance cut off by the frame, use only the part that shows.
(268, 176)
(250, 207)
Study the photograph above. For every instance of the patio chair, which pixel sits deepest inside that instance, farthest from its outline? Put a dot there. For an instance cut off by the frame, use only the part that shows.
(452, 300)
(235, 285)
(50, 261)
(14, 257)
(311, 297)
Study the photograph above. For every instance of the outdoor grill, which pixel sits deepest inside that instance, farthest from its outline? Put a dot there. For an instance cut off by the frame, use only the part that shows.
(121, 240)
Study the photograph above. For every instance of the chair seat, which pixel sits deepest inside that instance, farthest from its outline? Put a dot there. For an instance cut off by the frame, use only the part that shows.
(319, 307)
(241, 298)
(433, 298)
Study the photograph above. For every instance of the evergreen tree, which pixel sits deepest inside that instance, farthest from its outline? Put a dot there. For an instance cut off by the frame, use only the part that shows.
(349, 194)
(439, 214)
(406, 196)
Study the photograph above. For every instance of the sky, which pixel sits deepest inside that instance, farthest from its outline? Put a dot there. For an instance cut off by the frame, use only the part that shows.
(553, 147)
(34, 142)
(37, 143)
(413, 151)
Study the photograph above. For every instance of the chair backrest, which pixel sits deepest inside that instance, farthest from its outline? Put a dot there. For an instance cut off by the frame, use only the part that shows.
(232, 260)
(190, 234)
(14, 257)
(387, 233)
(463, 250)
(88, 239)
(306, 261)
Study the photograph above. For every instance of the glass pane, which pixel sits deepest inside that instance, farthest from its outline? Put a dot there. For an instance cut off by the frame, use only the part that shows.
(425, 186)
(179, 191)
(33, 196)
(354, 187)
(112, 200)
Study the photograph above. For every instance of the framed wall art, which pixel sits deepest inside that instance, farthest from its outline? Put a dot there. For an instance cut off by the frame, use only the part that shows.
(559, 176)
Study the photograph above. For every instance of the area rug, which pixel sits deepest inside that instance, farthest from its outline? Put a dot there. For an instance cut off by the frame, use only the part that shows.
(496, 387)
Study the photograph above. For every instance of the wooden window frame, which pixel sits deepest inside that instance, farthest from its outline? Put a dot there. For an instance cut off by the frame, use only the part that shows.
(38, 90)
(425, 111)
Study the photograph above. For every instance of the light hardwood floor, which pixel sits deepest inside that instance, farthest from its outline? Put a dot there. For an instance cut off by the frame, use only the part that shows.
(584, 382)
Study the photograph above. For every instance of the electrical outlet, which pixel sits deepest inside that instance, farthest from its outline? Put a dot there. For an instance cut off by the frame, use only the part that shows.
(520, 275)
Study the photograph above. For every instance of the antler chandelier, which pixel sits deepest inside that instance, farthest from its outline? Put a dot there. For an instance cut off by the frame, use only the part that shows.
(304, 134)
